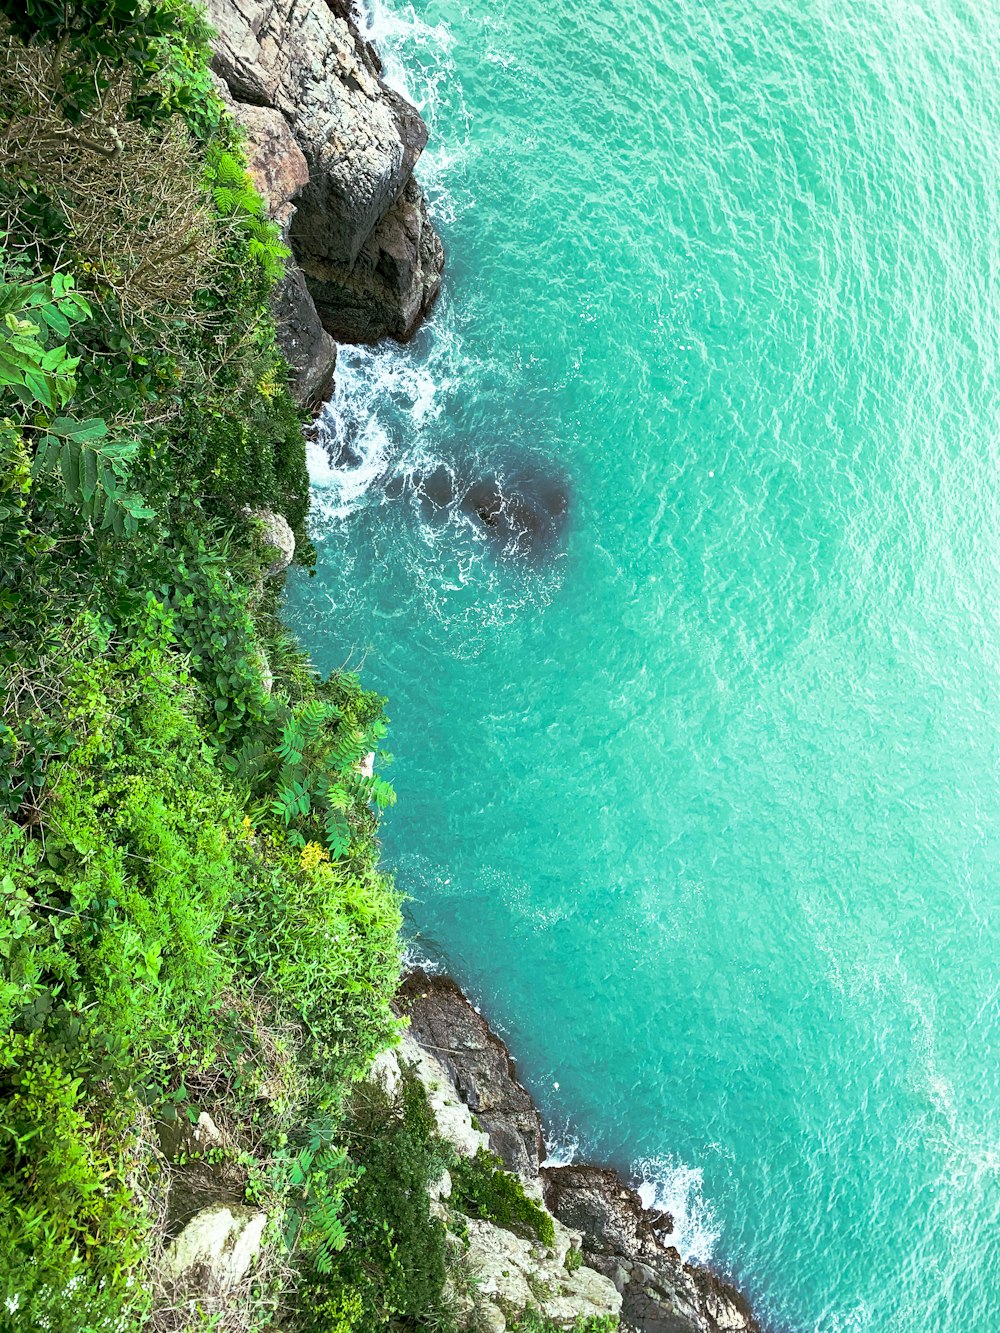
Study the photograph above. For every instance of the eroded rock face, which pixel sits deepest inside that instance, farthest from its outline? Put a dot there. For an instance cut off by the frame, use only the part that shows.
(393, 283)
(360, 230)
(443, 1022)
(275, 161)
(307, 347)
(631, 1245)
(279, 170)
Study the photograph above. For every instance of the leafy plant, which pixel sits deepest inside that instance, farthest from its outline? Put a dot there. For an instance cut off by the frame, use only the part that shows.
(93, 468)
(482, 1188)
(91, 38)
(236, 198)
(533, 1322)
(395, 1262)
(34, 372)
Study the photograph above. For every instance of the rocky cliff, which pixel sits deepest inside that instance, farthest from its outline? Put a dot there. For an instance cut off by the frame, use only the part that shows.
(332, 150)
(620, 1239)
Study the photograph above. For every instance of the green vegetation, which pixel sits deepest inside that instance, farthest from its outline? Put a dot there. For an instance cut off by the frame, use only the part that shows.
(574, 1260)
(536, 1323)
(482, 1188)
(395, 1270)
(194, 916)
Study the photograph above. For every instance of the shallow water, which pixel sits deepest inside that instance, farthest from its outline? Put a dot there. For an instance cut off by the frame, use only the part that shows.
(700, 798)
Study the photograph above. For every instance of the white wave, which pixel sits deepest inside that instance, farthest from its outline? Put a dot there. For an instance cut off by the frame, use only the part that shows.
(381, 394)
(416, 56)
(418, 64)
(676, 1188)
(563, 1145)
(416, 956)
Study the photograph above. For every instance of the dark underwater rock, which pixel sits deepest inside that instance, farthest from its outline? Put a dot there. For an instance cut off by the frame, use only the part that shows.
(523, 509)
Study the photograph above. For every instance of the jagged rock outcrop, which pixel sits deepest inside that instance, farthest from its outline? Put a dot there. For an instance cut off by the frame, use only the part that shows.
(620, 1239)
(509, 1273)
(479, 1064)
(392, 284)
(630, 1245)
(360, 230)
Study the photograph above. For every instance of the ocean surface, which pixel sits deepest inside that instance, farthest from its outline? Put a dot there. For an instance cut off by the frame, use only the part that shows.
(699, 785)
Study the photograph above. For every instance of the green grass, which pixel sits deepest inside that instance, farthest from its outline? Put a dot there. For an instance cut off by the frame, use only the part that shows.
(482, 1188)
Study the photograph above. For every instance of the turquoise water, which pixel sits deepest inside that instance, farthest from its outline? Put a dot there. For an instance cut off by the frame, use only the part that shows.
(703, 802)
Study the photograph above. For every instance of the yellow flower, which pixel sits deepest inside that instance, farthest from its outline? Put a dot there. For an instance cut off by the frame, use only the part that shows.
(313, 855)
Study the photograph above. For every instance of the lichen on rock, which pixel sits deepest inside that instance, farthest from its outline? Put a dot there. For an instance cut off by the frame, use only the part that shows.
(217, 1246)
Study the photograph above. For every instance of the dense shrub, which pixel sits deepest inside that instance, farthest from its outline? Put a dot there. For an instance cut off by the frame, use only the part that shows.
(393, 1268)
(482, 1188)
(194, 916)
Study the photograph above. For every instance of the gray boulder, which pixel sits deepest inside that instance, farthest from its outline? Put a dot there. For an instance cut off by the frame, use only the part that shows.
(217, 1247)
(360, 141)
(276, 534)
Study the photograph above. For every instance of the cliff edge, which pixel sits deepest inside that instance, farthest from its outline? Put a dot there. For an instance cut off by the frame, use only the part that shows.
(332, 149)
(618, 1238)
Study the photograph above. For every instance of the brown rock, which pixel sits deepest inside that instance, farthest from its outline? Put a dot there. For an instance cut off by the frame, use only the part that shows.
(307, 347)
(394, 282)
(444, 1022)
(276, 163)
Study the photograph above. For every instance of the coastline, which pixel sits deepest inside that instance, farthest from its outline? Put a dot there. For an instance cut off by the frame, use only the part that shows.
(354, 219)
(620, 1238)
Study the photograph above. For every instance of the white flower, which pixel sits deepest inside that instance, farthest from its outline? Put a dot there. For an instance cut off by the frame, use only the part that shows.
(12, 1302)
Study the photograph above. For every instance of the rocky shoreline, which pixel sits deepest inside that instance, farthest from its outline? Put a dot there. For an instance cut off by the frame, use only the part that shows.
(620, 1239)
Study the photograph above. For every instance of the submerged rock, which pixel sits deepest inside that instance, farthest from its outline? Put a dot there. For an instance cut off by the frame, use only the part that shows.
(524, 510)
(526, 514)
